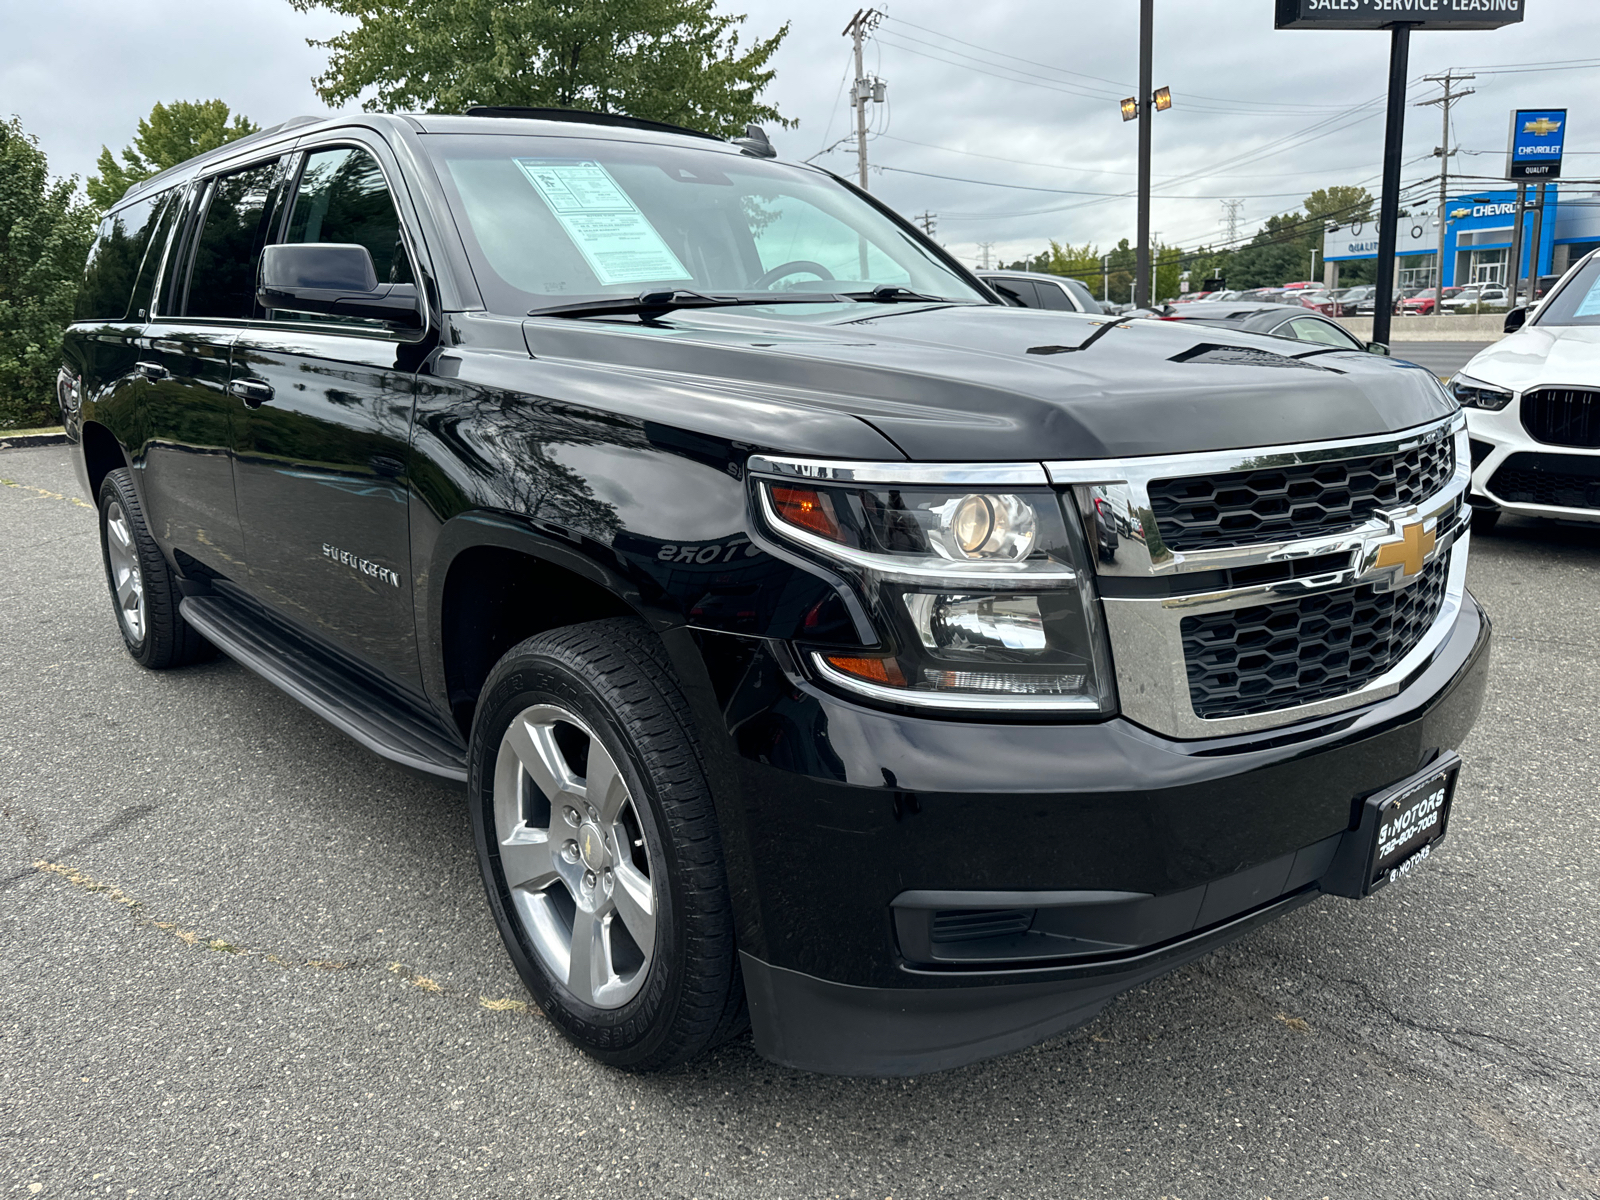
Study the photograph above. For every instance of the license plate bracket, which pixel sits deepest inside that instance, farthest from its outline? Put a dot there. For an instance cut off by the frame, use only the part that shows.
(1399, 828)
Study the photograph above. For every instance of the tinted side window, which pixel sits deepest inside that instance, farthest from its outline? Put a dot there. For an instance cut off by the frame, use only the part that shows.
(114, 261)
(1051, 296)
(343, 198)
(222, 282)
(165, 218)
(1020, 291)
(1081, 293)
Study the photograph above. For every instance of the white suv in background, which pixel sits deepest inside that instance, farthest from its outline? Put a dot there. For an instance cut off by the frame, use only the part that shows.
(1033, 289)
(1533, 408)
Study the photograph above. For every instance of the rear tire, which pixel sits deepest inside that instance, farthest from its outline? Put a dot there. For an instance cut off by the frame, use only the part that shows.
(599, 846)
(144, 590)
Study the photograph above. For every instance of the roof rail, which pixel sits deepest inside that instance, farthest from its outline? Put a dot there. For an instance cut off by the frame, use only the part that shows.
(578, 117)
(258, 136)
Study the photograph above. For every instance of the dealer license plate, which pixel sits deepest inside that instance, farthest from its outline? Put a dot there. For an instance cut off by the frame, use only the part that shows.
(1410, 820)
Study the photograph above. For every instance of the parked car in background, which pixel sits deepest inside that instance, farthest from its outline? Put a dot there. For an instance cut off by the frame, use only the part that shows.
(1034, 289)
(1346, 301)
(1491, 296)
(1369, 306)
(1302, 285)
(1422, 304)
(1275, 320)
(1533, 408)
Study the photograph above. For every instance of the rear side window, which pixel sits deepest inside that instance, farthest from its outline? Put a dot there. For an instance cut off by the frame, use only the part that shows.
(165, 217)
(344, 198)
(113, 265)
(1022, 291)
(1051, 296)
(222, 281)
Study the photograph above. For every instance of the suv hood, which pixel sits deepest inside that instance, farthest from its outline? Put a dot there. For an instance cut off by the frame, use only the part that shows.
(1536, 355)
(987, 383)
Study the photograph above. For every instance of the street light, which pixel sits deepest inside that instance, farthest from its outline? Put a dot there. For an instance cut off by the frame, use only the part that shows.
(1130, 108)
(1163, 99)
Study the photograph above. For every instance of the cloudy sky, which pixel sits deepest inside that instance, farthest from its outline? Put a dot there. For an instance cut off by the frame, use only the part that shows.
(1002, 116)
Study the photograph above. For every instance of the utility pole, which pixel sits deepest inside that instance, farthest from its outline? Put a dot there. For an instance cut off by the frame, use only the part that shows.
(1105, 278)
(929, 222)
(1447, 81)
(1141, 277)
(984, 248)
(866, 88)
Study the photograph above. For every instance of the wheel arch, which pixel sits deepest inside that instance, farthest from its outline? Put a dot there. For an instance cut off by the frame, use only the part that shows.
(496, 583)
(102, 454)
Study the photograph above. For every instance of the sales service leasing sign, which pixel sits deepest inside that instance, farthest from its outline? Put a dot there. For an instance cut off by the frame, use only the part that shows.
(1381, 14)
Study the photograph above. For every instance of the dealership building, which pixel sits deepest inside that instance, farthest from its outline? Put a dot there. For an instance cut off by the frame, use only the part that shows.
(1477, 241)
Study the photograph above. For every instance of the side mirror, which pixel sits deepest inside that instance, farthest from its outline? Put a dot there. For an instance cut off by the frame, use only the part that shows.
(1516, 319)
(332, 278)
(1378, 348)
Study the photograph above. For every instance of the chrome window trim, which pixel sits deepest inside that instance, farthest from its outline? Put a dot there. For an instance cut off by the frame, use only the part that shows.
(956, 474)
(975, 703)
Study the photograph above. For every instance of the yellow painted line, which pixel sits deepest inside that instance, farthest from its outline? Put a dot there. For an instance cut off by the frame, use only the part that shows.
(46, 493)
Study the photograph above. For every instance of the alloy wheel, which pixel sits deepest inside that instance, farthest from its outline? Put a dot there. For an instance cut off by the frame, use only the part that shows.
(127, 580)
(574, 856)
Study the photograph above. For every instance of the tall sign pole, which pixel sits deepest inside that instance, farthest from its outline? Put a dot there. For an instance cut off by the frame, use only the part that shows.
(1382, 14)
(1141, 276)
(1389, 207)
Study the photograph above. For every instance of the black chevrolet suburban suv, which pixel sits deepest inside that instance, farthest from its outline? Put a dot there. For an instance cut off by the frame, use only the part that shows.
(825, 645)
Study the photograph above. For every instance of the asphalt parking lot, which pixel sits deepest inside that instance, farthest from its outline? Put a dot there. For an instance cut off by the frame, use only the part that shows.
(240, 956)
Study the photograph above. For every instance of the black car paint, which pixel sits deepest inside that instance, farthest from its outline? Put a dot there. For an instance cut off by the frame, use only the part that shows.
(611, 453)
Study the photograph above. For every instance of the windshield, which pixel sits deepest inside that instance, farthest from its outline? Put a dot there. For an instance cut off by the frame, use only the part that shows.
(553, 220)
(1578, 301)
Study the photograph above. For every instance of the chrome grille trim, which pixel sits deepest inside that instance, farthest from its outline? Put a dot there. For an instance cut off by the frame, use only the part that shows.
(1146, 639)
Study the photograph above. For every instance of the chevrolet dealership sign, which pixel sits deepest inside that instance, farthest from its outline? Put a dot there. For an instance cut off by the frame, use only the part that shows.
(1537, 136)
(1381, 14)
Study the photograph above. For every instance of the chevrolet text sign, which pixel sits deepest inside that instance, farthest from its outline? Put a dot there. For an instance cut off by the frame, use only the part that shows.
(1537, 135)
(1381, 14)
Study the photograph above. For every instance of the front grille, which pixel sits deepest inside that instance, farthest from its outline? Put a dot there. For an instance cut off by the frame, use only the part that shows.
(1558, 480)
(1202, 512)
(1563, 417)
(1272, 656)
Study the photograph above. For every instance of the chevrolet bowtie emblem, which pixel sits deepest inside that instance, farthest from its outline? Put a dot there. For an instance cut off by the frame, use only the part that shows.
(1409, 554)
(1543, 126)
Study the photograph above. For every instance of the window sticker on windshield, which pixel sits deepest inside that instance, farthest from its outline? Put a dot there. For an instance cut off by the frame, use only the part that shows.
(1589, 306)
(616, 239)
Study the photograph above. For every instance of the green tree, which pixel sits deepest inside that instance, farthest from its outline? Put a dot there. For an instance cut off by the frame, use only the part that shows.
(170, 135)
(663, 60)
(45, 231)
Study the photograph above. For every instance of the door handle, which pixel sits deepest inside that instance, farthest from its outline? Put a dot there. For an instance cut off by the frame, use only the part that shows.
(152, 371)
(254, 392)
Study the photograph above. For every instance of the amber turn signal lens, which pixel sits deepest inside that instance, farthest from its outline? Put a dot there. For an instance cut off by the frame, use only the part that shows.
(876, 670)
(807, 508)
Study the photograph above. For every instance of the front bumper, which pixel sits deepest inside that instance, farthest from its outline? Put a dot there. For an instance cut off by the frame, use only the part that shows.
(845, 815)
(1498, 436)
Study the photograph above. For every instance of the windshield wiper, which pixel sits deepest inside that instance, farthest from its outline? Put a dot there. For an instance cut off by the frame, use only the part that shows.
(889, 293)
(650, 304)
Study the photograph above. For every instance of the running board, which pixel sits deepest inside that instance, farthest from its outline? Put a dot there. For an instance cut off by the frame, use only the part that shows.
(380, 720)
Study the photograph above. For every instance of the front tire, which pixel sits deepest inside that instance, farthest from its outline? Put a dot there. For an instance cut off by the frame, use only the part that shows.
(599, 846)
(144, 590)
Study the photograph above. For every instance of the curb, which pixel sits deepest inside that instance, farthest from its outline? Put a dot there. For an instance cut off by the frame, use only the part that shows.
(26, 441)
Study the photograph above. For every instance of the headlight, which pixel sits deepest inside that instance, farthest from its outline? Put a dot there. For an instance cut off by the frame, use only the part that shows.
(980, 597)
(1474, 393)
